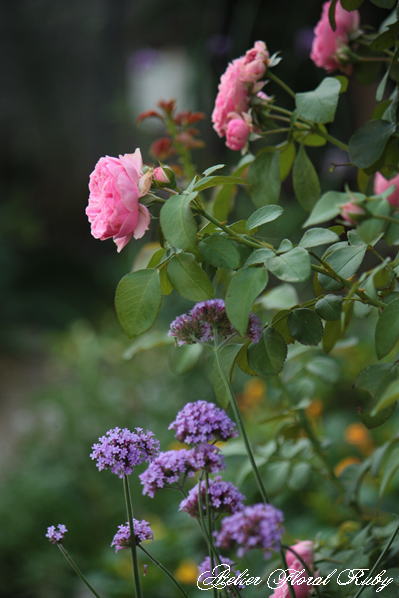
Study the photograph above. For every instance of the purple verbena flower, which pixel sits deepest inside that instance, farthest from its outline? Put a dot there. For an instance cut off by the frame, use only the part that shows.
(202, 421)
(223, 497)
(208, 457)
(122, 538)
(167, 469)
(56, 533)
(121, 450)
(220, 564)
(208, 321)
(257, 526)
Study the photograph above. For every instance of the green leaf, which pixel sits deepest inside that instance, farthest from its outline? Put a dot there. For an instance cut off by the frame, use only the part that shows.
(219, 251)
(293, 266)
(346, 260)
(389, 397)
(267, 357)
(222, 363)
(287, 156)
(367, 143)
(223, 201)
(351, 4)
(137, 301)
(370, 230)
(331, 14)
(212, 169)
(215, 181)
(260, 256)
(325, 368)
(244, 287)
(177, 221)
(387, 329)
(320, 104)
(263, 215)
(332, 333)
(328, 207)
(305, 180)
(283, 296)
(318, 236)
(388, 4)
(264, 177)
(184, 358)
(329, 307)
(188, 278)
(305, 326)
(146, 342)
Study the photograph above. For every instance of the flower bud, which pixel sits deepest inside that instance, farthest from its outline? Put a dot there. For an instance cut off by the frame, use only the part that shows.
(352, 213)
(237, 134)
(381, 184)
(162, 175)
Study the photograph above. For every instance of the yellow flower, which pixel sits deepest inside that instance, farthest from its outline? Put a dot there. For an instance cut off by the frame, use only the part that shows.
(358, 435)
(187, 572)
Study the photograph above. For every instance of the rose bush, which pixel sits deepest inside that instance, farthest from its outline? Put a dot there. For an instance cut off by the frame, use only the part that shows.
(285, 307)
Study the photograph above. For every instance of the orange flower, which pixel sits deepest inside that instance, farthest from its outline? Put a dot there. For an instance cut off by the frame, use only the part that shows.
(344, 463)
(358, 435)
(187, 572)
(315, 408)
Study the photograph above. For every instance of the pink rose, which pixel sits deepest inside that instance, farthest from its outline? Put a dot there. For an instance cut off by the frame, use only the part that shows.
(328, 44)
(160, 175)
(236, 84)
(305, 551)
(381, 184)
(116, 185)
(351, 212)
(237, 134)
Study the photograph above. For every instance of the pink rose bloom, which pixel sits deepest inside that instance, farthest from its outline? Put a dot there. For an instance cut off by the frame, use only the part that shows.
(116, 185)
(351, 211)
(235, 86)
(305, 551)
(328, 43)
(381, 183)
(237, 134)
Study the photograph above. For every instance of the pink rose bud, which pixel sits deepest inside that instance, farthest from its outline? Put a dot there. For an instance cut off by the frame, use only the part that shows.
(352, 213)
(163, 176)
(114, 210)
(328, 49)
(237, 134)
(381, 184)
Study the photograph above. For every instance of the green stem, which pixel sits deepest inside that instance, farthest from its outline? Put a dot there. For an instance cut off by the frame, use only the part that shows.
(378, 561)
(386, 218)
(242, 430)
(281, 83)
(332, 139)
(164, 569)
(231, 233)
(75, 567)
(133, 548)
(210, 526)
(275, 131)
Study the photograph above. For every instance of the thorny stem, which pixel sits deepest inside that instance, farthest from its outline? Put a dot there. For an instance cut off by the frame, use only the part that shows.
(75, 567)
(133, 549)
(164, 569)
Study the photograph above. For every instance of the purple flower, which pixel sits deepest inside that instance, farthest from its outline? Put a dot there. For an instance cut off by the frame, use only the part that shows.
(120, 450)
(208, 457)
(122, 538)
(257, 526)
(56, 533)
(200, 422)
(208, 321)
(224, 497)
(169, 467)
(222, 563)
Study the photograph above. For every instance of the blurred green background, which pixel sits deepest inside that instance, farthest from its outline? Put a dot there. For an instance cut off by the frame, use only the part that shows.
(75, 76)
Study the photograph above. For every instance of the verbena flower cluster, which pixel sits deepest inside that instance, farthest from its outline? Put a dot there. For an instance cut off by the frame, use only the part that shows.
(208, 321)
(171, 466)
(201, 422)
(122, 538)
(55, 533)
(205, 568)
(223, 497)
(120, 450)
(256, 526)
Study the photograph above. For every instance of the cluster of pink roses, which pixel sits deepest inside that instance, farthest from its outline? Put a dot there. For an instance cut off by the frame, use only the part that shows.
(242, 78)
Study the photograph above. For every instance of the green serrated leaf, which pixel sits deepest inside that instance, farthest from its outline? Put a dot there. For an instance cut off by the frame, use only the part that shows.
(137, 301)
(245, 285)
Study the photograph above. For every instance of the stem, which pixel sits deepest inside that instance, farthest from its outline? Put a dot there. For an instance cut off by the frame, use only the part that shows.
(164, 569)
(386, 218)
(378, 561)
(231, 233)
(210, 526)
(75, 567)
(275, 131)
(332, 139)
(281, 83)
(133, 548)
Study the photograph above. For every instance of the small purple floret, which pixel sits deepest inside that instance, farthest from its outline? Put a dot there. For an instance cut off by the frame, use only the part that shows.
(206, 567)
(122, 538)
(257, 526)
(223, 496)
(201, 422)
(121, 450)
(55, 533)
